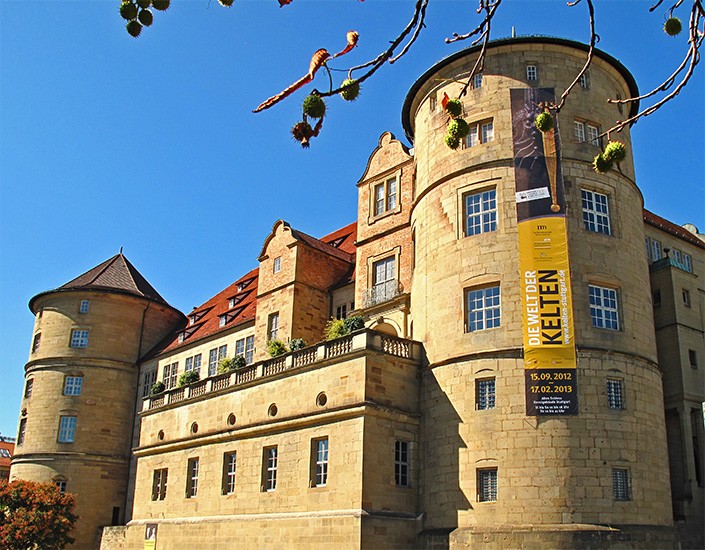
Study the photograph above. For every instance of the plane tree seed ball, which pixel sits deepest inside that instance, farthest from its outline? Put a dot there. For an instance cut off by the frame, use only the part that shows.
(615, 151)
(544, 122)
(226, 3)
(458, 128)
(301, 131)
(452, 141)
(673, 26)
(128, 11)
(133, 28)
(144, 4)
(161, 5)
(314, 106)
(601, 164)
(351, 89)
(454, 107)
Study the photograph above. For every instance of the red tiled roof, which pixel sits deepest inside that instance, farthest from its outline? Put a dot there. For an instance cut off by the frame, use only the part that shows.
(5, 462)
(672, 228)
(339, 244)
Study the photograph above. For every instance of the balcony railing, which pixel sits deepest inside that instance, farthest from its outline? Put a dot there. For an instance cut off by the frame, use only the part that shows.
(381, 293)
(359, 341)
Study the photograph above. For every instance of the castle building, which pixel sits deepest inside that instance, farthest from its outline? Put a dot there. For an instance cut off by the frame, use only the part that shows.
(529, 373)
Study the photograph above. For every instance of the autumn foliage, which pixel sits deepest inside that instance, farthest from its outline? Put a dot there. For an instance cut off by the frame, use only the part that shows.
(35, 516)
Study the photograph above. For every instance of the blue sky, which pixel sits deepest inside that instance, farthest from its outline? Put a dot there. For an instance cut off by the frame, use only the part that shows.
(150, 143)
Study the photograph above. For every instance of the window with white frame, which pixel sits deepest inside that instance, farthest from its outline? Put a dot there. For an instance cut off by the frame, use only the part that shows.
(586, 132)
(67, 429)
(273, 326)
(487, 485)
(531, 72)
(385, 196)
(621, 484)
(231, 303)
(212, 361)
(615, 393)
(593, 133)
(655, 250)
(148, 380)
(319, 462)
(188, 367)
(223, 320)
(192, 478)
(480, 212)
(222, 353)
(477, 81)
(483, 308)
(401, 463)
(596, 214)
(603, 307)
(687, 263)
(5, 453)
(432, 103)
(229, 468)
(579, 131)
(84, 306)
(169, 375)
(677, 255)
(249, 349)
(341, 312)
(73, 385)
(159, 479)
(240, 347)
(585, 80)
(480, 132)
(384, 283)
(79, 338)
(61, 486)
(269, 469)
(277, 264)
(485, 393)
(648, 248)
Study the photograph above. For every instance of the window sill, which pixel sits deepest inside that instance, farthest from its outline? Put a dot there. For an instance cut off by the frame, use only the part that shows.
(373, 219)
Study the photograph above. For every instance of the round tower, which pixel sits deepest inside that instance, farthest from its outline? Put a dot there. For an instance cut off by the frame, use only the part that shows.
(81, 381)
(558, 454)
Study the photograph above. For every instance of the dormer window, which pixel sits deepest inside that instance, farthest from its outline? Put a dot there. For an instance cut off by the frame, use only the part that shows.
(239, 287)
(181, 337)
(223, 320)
(191, 319)
(231, 303)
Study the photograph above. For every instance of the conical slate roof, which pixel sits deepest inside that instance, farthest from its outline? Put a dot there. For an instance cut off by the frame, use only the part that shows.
(116, 274)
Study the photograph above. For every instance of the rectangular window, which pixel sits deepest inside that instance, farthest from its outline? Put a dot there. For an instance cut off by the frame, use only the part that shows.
(212, 361)
(593, 133)
(222, 353)
(269, 469)
(148, 381)
(231, 303)
(596, 214)
(485, 394)
(401, 463)
(61, 486)
(487, 485)
(229, 467)
(480, 212)
(73, 385)
(579, 131)
(603, 307)
(432, 103)
(655, 250)
(585, 80)
(84, 306)
(35, 342)
(159, 484)
(174, 375)
(480, 132)
(249, 349)
(197, 363)
(384, 283)
(277, 264)
(319, 462)
(341, 311)
(21, 431)
(67, 429)
(5, 453)
(656, 298)
(189, 364)
(688, 263)
(677, 255)
(79, 338)
(472, 140)
(531, 72)
(240, 347)
(391, 194)
(686, 297)
(223, 320)
(379, 199)
(615, 393)
(385, 196)
(621, 487)
(648, 248)
(693, 359)
(28, 388)
(192, 478)
(483, 308)
(487, 131)
(477, 81)
(273, 326)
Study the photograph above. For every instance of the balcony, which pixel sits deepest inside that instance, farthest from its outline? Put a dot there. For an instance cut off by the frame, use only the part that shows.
(362, 340)
(381, 293)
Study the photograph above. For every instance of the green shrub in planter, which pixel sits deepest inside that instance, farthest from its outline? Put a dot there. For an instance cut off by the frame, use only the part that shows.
(225, 365)
(157, 388)
(188, 378)
(239, 362)
(297, 344)
(335, 329)
(275, 348)
(353, 323)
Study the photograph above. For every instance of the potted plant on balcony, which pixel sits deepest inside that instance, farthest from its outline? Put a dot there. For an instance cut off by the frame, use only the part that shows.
(335, 328)
(275, 348)
(297, 344)
(157, 388)
(188, 378)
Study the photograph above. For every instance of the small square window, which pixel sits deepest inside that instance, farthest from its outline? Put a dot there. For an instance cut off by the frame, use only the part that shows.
(477, 81)
(693, 359)
(319, 462)
(79, 338)
(531, 72)
(277, 264)
(67, 429)
(401, 463)
(483, 308)
(84, 306)
(73, 385)
(615, 393)
(269, 469)
(603, 307)
(485, 394)
(487, 485)
(192, 478)
(159, 484)
(61, 485)
(621, 486)
(229, 468)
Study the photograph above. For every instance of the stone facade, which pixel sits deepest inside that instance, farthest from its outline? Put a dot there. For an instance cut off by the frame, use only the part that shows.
(412, 432)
